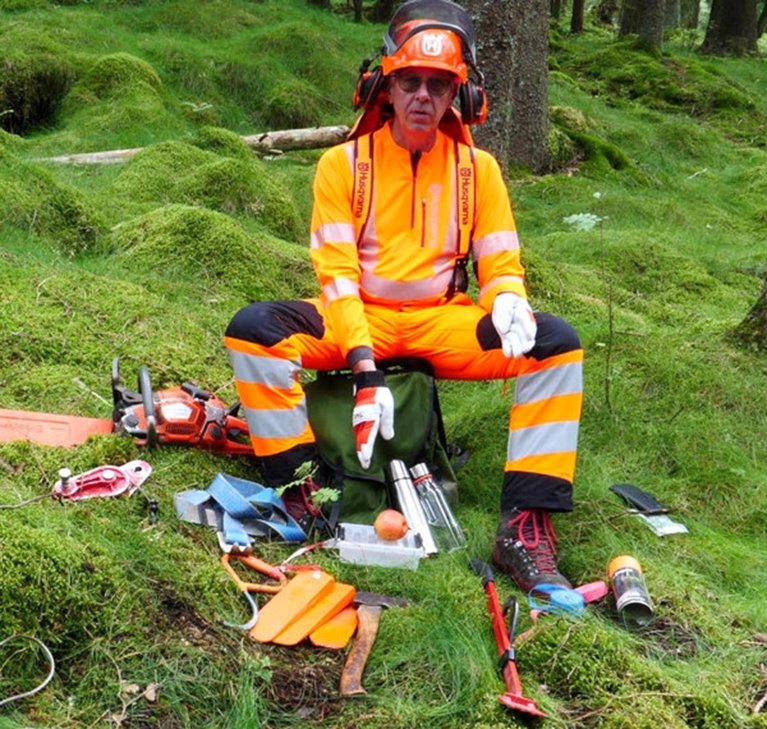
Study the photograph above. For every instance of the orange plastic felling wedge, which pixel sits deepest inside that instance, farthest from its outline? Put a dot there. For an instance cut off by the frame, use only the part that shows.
(339, 597)
(336, 632)
(301, 593)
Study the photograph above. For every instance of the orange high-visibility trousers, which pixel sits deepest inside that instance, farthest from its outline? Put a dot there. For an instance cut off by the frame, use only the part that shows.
(270, 342)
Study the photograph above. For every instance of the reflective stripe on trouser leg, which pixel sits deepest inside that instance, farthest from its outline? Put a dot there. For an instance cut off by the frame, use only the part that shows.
(271, 396)
(543, 434)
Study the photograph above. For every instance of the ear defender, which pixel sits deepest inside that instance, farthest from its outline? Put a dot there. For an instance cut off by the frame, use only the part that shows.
(369, 86)
(472, 99)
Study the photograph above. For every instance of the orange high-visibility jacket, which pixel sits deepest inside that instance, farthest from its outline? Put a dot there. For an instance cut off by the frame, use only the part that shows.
(404, 253)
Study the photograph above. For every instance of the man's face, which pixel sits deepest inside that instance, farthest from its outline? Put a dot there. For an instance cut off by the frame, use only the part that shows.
(420, 97)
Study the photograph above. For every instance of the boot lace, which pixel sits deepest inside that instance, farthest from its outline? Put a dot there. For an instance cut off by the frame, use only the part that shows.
(536, 534)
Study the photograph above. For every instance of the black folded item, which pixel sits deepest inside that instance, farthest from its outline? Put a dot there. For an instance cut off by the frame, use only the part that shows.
(643, 502)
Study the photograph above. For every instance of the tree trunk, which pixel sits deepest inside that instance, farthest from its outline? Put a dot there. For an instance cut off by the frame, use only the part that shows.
(530, 85)
(266, 142)
(690, 14)
(383, 11)
(606, 10)
(645, 19)
(513, 48)
(753, 329)
(731, 28)
(672, 15)
(555, 9)
(761, 24)
(576, 19)
(494, 46)
(357, 11)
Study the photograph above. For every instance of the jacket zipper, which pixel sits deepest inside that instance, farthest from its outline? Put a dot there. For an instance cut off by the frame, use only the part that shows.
(414, 159)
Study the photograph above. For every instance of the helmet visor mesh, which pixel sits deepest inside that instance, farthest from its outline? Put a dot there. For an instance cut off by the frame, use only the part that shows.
(435, 14)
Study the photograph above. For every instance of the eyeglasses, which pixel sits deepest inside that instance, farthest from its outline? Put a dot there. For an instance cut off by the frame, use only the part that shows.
(435, 85)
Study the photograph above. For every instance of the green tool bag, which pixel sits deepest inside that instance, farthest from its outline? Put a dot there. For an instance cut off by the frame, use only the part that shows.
(419, 436)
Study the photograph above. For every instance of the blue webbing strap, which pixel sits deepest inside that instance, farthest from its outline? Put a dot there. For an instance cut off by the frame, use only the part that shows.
(248, 508)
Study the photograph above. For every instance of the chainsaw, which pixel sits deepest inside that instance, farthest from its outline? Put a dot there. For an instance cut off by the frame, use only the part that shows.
(182, 415)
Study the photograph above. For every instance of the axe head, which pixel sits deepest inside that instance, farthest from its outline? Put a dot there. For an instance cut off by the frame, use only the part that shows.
(375, 599)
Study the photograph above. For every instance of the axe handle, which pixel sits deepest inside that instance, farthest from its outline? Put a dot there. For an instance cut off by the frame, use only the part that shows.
(368, 619)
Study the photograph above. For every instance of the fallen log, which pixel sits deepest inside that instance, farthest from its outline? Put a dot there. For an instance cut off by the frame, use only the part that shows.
(266, 142)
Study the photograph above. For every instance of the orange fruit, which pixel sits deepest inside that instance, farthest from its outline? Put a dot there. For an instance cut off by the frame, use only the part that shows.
(390, 525)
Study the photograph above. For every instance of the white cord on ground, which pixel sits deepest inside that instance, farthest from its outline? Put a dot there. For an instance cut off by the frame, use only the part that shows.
(48, 678)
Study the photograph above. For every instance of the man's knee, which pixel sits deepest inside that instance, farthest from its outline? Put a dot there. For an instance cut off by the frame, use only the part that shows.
(269, 322)
(554, 336)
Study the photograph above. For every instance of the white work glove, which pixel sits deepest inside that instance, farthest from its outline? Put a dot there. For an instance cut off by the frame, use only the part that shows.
(373, 411)
(514, 321)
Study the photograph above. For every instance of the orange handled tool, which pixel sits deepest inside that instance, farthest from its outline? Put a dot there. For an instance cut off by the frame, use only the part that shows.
(249, 560)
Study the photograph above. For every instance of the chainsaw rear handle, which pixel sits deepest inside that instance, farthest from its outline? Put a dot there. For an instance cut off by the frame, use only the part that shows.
(147, 398)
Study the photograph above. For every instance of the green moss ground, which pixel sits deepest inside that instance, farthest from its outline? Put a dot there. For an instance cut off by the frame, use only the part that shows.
(149, 259)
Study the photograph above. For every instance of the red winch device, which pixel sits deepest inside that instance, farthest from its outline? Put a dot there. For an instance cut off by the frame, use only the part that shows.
(182, 415)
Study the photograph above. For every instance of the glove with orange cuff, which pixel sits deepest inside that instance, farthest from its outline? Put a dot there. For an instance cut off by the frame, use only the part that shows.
(514, 321)
(373, 412)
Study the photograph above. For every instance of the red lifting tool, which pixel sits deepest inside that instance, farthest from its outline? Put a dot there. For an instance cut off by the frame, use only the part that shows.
(504, 638)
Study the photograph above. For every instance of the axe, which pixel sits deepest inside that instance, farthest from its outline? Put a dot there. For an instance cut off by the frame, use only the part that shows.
(370, 605)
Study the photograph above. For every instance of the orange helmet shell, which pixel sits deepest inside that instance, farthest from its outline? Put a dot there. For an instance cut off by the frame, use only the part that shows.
(428, 48)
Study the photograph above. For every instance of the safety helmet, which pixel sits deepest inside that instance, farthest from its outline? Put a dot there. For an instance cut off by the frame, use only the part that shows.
(430, 34)
(428, 48)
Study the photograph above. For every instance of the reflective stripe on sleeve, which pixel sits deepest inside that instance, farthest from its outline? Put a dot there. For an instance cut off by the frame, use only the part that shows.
(516, 280)
(505, 240)
(333, 233)
(339, 287)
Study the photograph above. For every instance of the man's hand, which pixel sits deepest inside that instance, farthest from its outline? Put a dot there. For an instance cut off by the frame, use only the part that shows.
(514, 321)
(373, 410)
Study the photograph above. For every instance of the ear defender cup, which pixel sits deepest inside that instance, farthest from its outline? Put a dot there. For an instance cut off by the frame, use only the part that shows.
(369, 85)
(473, 102)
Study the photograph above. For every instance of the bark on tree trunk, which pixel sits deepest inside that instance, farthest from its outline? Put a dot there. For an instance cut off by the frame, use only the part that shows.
(383, 11)
(555, 9)
(576, 19)
(606, 10)
(493, 27)
(672, 14)
(645, 19)
(513, 46)
(761, 24)
(690, 14)
(753, 329)
(731, 28)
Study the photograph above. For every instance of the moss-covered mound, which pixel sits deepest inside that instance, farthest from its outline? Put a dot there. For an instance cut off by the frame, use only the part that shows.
(212, 249)
(625, 70)
(32, 198)
(118, 96)
(35, 75)
(176, 172)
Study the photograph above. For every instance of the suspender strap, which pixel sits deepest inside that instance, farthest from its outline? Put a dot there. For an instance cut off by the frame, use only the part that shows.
(466, 195)
(362, 192)
(465, 205)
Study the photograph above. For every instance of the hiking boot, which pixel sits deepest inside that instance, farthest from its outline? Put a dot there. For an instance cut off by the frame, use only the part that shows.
(525, 549)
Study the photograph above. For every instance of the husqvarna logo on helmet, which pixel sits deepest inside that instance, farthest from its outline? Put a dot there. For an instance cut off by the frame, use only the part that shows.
(431, 44)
